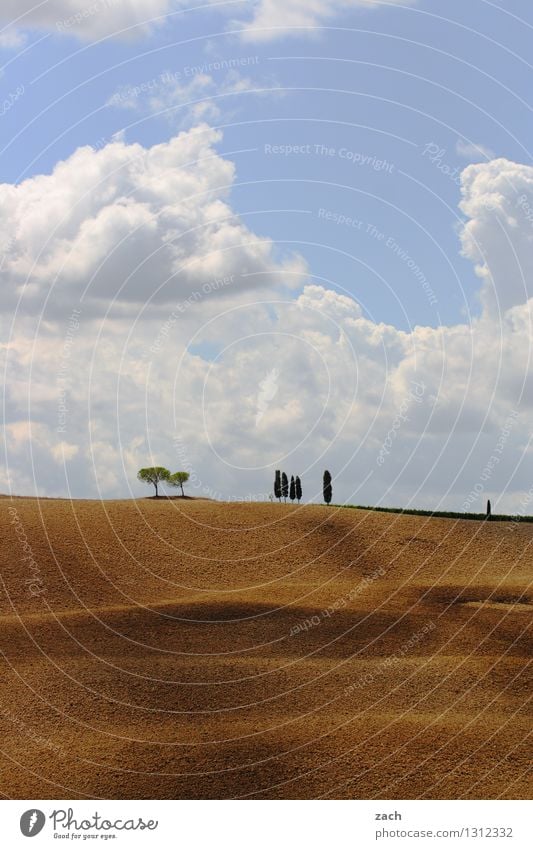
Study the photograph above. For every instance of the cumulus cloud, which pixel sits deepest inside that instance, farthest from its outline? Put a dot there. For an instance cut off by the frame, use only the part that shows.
(88, 19)
(273, 18)
(232, 389)
(497, 199)
(398, 415)
(92, 19)
(131, 225)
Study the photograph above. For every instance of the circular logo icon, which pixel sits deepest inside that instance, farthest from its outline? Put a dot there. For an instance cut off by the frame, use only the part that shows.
(32, 822)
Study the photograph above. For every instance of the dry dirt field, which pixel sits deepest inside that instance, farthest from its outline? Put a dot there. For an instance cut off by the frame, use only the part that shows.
(194, 649)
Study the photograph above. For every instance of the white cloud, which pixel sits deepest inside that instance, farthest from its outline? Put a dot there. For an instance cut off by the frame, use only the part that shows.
(497, 198)
(131, 224)
(93, 19)
(473, 152)
(12, 38)
(87, 19)
(273, 18)
(234, 388)
(432, 404)
(64, 451)
(185, 102)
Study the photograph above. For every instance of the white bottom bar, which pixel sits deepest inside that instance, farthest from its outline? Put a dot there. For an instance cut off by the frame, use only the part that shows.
(265, 825)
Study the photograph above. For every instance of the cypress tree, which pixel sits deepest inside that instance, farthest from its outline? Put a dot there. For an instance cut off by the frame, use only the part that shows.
(277, 485)
(292, 489)
(298, 484)
(328, 489)
(489, 510)
(284, 486)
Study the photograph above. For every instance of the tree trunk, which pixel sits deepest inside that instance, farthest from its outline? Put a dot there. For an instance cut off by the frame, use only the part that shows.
(182, 493)
(156, 491)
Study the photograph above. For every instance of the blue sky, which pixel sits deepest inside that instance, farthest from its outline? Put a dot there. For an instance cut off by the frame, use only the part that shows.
(349, 135)
(381, 83)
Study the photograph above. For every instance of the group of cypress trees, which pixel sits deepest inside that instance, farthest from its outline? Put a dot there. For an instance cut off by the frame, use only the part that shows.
(282, 489)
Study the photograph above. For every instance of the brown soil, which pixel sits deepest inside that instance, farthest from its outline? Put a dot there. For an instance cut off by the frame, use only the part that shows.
(191, 649)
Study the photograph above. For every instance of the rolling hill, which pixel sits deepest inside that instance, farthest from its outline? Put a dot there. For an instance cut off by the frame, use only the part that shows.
(195, 649)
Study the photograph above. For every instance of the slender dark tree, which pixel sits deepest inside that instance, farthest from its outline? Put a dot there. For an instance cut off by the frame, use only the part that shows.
(298, 484)
(292, 491)
(284, 486)
(277, 485)
(328, 489)
(489, 510)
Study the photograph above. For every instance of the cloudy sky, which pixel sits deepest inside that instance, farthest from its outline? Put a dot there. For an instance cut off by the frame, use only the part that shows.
(248, 235)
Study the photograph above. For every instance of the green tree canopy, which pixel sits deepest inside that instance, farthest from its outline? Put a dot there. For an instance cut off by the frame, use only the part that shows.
(154, 475)
(178, 479)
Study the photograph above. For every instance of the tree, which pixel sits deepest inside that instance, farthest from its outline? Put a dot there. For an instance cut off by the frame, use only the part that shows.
(284, 486)
(277, 485)
(178, 479)
(298, 484)
(292, 490)
(489, 510)
(154, 475)
(328, 489)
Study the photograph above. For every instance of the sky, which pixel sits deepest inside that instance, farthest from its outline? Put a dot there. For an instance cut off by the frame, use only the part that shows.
(247, 236)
